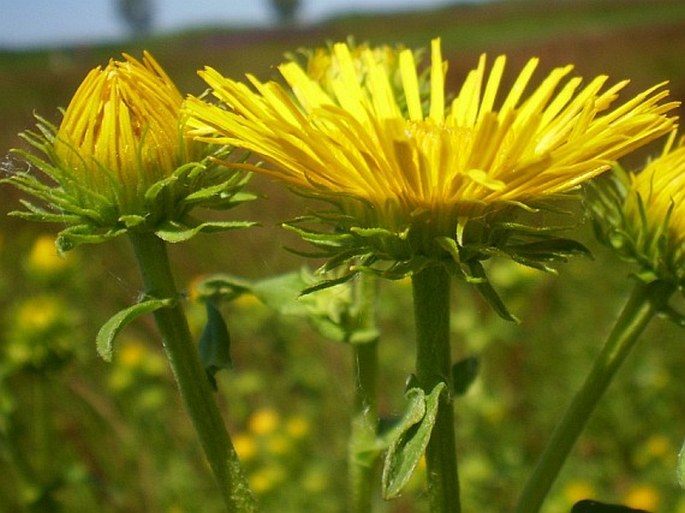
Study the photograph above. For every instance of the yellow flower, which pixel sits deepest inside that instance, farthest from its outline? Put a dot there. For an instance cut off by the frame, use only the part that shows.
(120, 161)
(642, 215)
(120, 133)
(354, 136)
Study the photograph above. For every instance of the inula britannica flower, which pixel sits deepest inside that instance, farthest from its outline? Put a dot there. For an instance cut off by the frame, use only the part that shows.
(642, 215)
(119, 160)
(425, 169)
(120, 133)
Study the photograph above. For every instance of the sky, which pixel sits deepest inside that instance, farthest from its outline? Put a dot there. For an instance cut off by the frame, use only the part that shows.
(36, 23)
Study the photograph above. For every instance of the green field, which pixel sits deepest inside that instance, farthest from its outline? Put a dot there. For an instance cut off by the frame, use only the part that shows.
(80, 435)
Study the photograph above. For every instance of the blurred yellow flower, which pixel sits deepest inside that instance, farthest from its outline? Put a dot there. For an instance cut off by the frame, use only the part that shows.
(354, 135)
(131, 354)
(245, 445)
(644, 497)
(266, 478)
(120, 132)
(38, 314)
(44, 258)
(278, 444)
(577, 490)
(297, 427)
(659, 446)
(264, 421)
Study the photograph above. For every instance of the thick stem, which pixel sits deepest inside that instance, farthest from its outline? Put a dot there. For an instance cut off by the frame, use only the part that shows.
(431, 288)
(645, 301)
(192, 381)
(362, 463)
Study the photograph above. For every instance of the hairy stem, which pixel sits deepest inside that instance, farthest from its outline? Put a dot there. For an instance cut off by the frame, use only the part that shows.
(645, 301)
(431, 290)
(192, 381)
(362, 462)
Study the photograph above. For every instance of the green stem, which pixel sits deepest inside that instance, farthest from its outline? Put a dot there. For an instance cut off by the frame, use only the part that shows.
(645, 301)
(192, 381)
(362, 462)
(431, 289)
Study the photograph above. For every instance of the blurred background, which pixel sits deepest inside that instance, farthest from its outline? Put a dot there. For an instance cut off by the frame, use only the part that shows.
(78, 434)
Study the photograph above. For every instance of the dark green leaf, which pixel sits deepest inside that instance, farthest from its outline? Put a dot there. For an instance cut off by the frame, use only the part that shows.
(590, 506)
(215, 343)
(464, 374)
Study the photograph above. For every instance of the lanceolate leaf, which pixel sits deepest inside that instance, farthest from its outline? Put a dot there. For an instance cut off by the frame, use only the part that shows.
(408, 440)
(109, 331)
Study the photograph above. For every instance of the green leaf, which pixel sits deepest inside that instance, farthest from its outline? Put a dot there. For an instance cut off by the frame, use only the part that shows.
(680, 467)
(590, 506)
(464, 374)
(215, 343)
(281, 293)
(223, 286)
(409, 439)
(109, 331)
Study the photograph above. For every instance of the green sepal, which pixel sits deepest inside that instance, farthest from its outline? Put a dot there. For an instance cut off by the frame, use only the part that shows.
(75, 235)
(215, 344)
(173, 232)
(479, 280)
(163, 208)
(464, 373)
(109, 331)
(409, 439)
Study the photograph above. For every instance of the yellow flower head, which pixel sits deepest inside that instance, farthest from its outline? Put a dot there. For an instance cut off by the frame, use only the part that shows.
(661, 191)
(120, 160)
(352, 136)
(642, 215)
(420, 177)
(120, 133)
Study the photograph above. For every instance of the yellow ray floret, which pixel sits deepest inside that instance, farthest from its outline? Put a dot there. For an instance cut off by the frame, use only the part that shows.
(661, 188)
(364, 135)
(121, 129)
